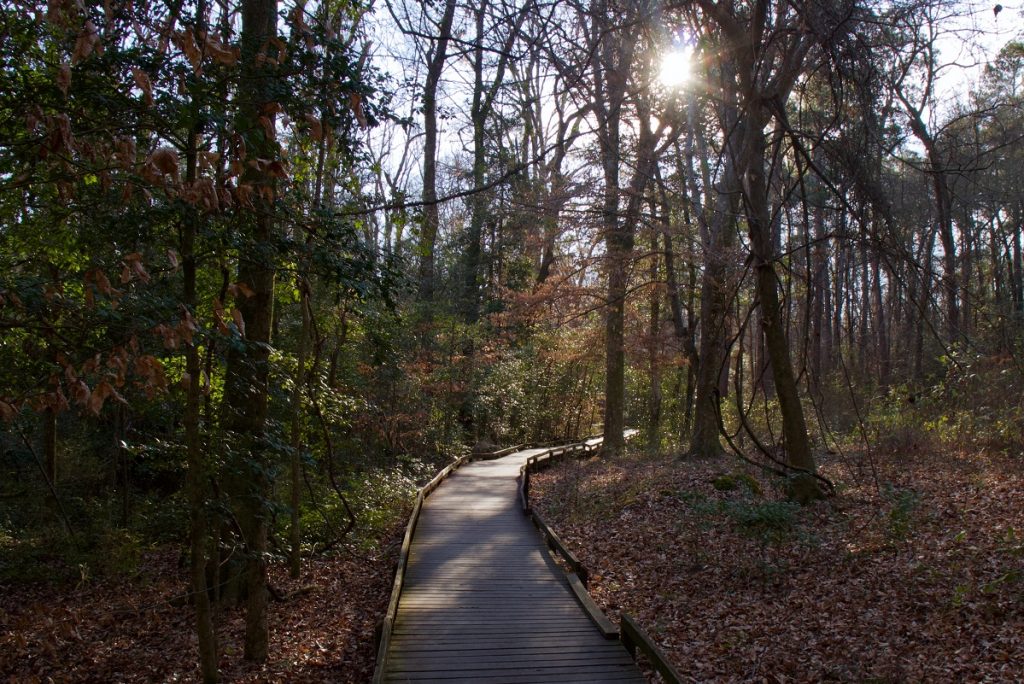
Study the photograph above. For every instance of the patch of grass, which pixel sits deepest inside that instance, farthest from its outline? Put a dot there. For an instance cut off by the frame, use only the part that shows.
(767, 522)
(731, 482)
(902, 504)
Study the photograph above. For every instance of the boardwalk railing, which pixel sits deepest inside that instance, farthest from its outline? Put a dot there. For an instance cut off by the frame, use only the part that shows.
(629, 632)
(388, 623)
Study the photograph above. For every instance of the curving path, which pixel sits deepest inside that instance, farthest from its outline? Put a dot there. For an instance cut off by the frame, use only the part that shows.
(484, 602)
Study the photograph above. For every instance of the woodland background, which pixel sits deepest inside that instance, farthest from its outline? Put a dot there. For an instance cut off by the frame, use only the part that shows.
(266, 266)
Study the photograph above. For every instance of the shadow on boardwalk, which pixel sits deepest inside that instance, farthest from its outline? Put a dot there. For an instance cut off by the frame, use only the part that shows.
(484, 602)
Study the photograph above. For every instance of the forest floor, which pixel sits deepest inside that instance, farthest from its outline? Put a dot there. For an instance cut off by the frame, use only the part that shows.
(138, 630)
(914, 571)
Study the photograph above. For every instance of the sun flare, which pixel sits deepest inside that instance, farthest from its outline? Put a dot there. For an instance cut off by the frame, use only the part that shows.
(675, 67)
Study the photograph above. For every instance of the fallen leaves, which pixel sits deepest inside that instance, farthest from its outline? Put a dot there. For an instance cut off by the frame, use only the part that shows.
(872, 585)
(132, 630)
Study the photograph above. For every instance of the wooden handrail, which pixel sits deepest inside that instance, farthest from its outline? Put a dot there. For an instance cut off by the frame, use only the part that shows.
(554, 542)
(577, 579)
(396, 591)
(635, 638)
(604, 625)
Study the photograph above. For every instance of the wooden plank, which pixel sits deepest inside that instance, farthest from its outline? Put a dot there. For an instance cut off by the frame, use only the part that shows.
(511, 588)
(454, 624)
(635, 638)
(563, 606)
(482, 599)
(600, 620)
(425, 661)
(503, 646)
(396, 591)
(510, 632)
(606, 678)
(586, 637)
(555, 542)
(533, 670)
(507, 605)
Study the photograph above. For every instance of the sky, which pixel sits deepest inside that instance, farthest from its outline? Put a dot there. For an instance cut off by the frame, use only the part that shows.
(968, 42)
(974, 40)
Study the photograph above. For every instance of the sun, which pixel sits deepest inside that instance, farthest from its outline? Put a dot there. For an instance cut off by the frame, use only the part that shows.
(674, 70)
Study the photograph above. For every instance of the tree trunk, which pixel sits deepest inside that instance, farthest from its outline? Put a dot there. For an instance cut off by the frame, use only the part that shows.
(925, 294)
(295, 492)
(50, 444)
(804, 487)
(820, 343)
(654, 334)
(717, 245)
(197, 475)
(478, 201)
(245, 400)
(1017, 268)
(944, 211)
(431, 218)
(611, 68)
(881, 327)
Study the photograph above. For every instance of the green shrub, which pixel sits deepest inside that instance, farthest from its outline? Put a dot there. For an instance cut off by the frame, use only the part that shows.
(902, 504)
(730, 482)
(769, 522)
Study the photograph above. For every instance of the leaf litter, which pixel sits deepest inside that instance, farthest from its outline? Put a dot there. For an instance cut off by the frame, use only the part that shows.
(919, 577)
(140, 629)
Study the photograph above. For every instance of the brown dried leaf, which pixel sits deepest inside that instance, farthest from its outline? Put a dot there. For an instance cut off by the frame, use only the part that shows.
(8, 410)
(124, 152)
(244, 193)
(277, 169)
(144, 84)
(208, 160)
(64, 78)
(222, 54)
(165, 160)
(268, 127)
(167, 334)
(99, 397)
(61, 140)
(282, 49)
(316, 127)
(133, 262)
(218, 317)
(87, 43)
(355, 102)
(186, 42)
(80, 392)
(239, 321)
(151, 370)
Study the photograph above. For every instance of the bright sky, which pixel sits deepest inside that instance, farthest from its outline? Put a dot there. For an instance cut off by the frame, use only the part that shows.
(974, 40)
(967, 43)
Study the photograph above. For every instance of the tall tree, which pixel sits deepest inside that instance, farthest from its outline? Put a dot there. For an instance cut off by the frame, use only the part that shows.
(437, 55)
(245, 401)
(767, 49)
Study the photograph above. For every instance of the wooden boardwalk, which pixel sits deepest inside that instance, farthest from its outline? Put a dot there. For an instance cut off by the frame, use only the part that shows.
(484, 602)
